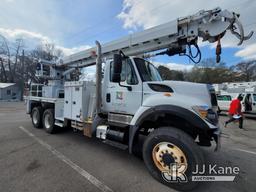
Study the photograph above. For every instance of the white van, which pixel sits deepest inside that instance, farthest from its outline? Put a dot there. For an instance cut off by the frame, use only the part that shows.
(248, 102)
(223, 102)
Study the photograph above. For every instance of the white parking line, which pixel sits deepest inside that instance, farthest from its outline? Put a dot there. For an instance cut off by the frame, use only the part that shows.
(66, 160)
(251, 152)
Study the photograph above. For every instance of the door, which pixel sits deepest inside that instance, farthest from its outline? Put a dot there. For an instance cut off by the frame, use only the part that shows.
(68, 102)
(119, 99)
(248, 102)
(224, 102)
(254, 103)
(76, 102)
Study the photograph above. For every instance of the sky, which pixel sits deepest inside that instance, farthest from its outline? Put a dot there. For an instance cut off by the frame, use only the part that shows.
(75, 25)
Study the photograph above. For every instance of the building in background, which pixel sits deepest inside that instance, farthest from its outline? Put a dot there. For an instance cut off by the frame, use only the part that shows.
(237, 87)
(9, 92)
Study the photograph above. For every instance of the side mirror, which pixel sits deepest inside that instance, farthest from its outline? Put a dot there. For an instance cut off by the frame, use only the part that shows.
(117, 68)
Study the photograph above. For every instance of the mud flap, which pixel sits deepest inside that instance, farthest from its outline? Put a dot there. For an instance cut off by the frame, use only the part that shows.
(217, 139)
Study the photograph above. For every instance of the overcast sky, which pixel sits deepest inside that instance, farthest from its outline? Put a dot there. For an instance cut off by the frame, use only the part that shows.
(75, 25)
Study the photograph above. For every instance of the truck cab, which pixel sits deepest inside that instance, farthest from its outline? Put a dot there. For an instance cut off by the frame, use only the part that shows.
(140, 99)
(141, 86)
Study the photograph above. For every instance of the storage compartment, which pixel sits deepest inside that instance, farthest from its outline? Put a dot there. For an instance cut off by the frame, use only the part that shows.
(79, 100)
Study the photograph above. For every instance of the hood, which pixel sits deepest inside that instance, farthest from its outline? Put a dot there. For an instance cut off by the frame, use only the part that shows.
(193, 90)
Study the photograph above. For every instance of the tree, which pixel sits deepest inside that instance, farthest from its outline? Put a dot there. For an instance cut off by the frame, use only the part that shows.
(3, 72)
(208, 71)
(18, 66)
(5, 56)
(246, 70)
(211, 63)
(47, 51)
(210, 75)
(168, 74)
(17, 50)
(10, 57)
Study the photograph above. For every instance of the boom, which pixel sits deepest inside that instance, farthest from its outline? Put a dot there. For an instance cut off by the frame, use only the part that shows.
(210, 25)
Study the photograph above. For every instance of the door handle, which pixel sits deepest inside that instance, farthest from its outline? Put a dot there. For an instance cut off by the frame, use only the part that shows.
(66, 101)
(74, 102)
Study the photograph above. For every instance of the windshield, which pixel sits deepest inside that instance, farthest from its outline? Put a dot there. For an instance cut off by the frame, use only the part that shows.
(148, 72)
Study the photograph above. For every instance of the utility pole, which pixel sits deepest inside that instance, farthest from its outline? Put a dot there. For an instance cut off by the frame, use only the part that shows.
(22, 74)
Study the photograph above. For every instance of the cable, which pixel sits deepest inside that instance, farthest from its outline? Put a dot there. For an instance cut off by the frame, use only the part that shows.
(97, 24)
(191, 56)
(110, 26)
(190, 51)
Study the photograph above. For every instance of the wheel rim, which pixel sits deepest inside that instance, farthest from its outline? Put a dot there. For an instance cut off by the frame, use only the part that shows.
(47, 121)
(35, 117)
(165, 153)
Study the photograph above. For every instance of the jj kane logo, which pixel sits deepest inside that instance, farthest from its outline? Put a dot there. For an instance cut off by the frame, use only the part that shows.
(176, 173)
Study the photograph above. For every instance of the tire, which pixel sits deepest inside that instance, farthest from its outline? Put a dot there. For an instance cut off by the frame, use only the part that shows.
(36, 117)
(171, 145)
(48, 121)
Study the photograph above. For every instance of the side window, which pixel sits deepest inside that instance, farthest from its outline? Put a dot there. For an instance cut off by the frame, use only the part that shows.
(8, 92)
(123, 72)
(131, 77)
(220, 98)
(254, 97)
(128, 73)
(227, 98)
(224, 98)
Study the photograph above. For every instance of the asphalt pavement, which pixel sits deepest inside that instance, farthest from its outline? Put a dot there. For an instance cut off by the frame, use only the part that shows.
(32, 160)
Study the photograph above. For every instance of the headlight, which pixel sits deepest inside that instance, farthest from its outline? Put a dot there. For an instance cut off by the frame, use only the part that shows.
(202, 111)
(206, 113)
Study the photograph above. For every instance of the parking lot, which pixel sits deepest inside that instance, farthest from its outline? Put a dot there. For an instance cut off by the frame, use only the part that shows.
(32, 160)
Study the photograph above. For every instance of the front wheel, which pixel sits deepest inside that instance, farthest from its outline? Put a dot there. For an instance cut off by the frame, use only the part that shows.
(171, 156)
(48, 121)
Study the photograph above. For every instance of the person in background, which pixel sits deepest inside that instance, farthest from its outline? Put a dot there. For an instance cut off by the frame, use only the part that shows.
(235, 112)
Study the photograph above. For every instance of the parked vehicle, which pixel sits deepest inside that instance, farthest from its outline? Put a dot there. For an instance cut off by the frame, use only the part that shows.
(131, 100)
(248, 102)
(224, 101)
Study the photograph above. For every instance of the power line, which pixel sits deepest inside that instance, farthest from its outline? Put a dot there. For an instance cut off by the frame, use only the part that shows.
(98, 23)
(110, 27)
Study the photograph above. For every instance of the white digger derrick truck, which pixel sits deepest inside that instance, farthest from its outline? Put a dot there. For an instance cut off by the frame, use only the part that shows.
(129, 101)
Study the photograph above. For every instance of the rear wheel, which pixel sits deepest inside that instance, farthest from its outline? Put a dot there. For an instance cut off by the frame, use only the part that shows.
(171, 156)
(48, 121)
(36, 116)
